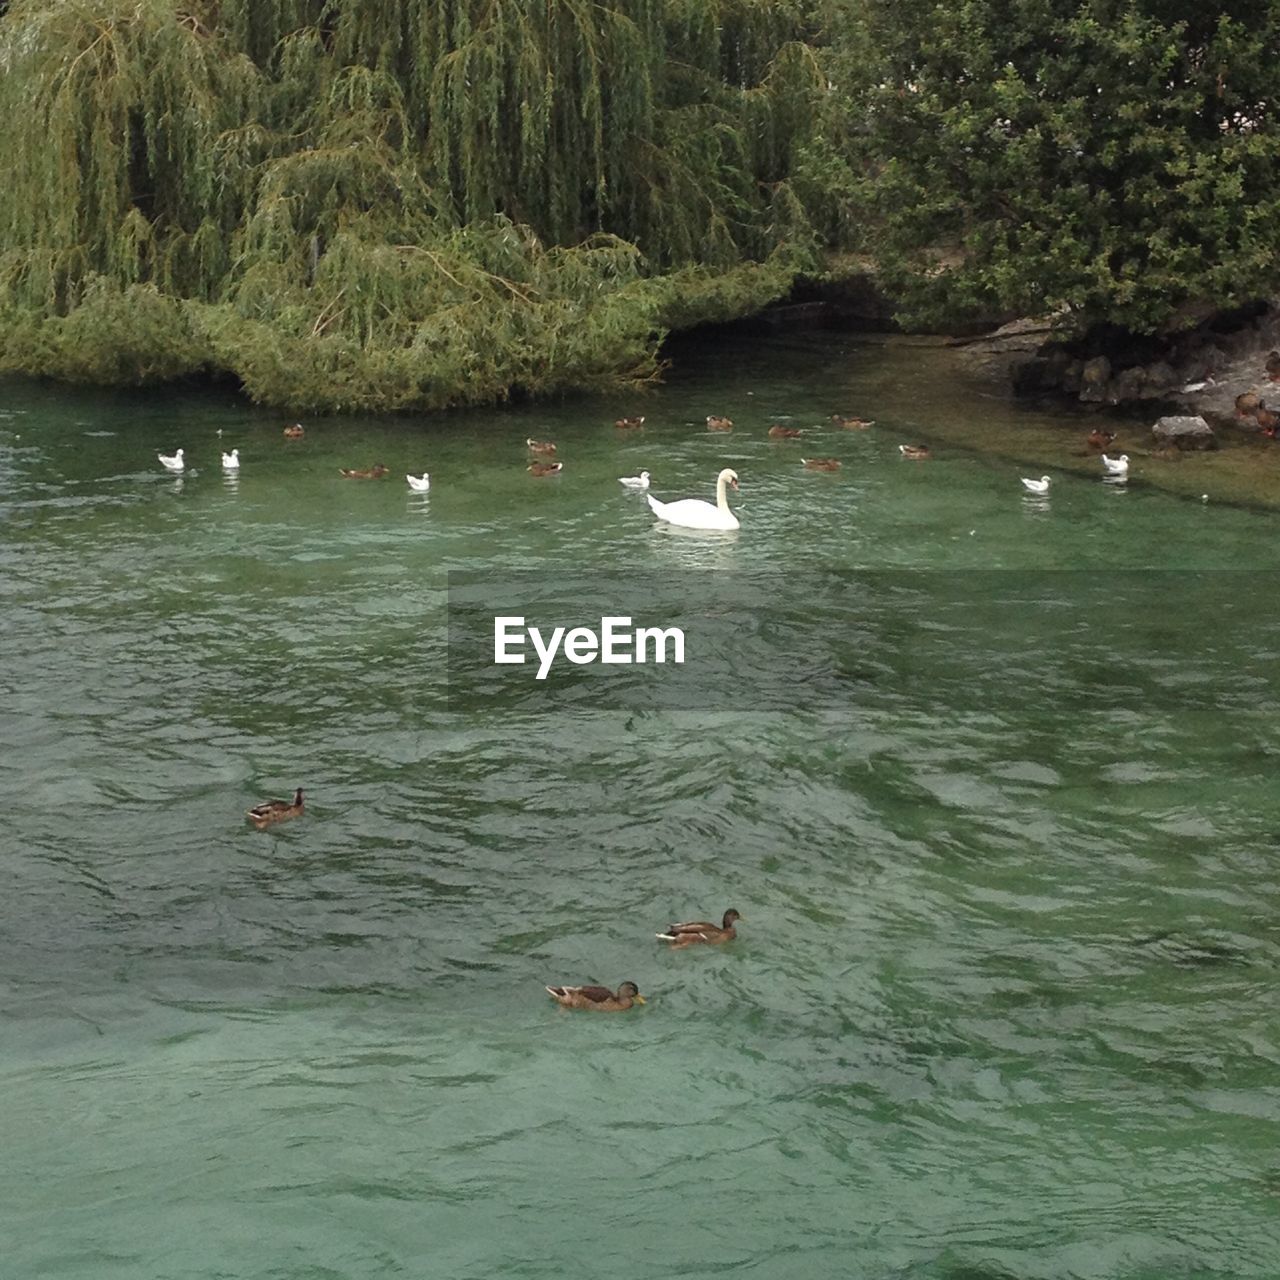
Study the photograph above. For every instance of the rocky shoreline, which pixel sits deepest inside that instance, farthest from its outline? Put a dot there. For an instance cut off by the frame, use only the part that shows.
(1198, 373)
(1189, 382)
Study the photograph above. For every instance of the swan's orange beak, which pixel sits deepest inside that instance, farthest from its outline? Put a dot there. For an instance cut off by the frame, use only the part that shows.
(734, 483)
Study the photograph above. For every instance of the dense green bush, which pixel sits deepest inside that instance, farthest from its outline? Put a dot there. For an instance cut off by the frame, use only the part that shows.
(1105, 160)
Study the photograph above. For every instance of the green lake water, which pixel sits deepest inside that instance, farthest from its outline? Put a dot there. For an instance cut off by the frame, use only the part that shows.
(1003, 1005)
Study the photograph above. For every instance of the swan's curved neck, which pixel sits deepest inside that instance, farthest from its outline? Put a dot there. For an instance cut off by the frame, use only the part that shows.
(722, 496)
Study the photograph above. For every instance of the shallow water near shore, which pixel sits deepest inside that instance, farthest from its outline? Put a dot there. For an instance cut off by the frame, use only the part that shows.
(1003, 1002)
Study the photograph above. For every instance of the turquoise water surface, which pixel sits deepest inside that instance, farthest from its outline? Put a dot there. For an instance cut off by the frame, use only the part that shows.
(1003, 1002)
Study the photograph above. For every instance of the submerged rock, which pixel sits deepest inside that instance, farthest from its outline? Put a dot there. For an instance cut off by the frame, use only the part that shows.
(1185, 431)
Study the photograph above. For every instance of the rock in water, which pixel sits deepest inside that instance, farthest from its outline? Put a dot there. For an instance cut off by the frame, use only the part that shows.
(1185, 432)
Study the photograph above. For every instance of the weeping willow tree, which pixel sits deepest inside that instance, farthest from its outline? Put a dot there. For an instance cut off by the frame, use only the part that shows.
(393, 204)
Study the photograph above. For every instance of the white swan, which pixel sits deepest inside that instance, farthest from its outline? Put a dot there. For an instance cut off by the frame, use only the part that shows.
(635, 482)
(171, 462)
(231, 461)
(1116, 466)
(1036, 486)
(419, 486)
(694, 513)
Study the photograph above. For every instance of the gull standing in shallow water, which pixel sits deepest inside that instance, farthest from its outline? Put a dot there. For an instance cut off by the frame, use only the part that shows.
(1040, 486)
(635, 482)
(419, 485)
(171, 462)
(694, 513)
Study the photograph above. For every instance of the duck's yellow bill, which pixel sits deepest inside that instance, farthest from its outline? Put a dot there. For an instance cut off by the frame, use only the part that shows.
(640, 999)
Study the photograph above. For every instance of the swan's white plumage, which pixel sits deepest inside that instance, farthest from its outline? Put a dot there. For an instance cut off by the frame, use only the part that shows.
(694, 513)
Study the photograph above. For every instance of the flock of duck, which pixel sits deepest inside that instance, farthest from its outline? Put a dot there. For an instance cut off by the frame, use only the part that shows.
(689, 513)
(686, 933)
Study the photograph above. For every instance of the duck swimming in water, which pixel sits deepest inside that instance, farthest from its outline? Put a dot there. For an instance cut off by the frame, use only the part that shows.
(597, 999)
(693, 932)
(272, 811)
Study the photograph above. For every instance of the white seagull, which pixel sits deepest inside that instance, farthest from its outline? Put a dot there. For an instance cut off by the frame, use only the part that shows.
(171, 462)
(1116, 466)
(231, 461)
(1036, 486)
(693, 513)
(635, 482)
(419, 485)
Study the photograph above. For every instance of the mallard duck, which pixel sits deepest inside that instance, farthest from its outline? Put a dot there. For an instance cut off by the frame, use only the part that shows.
(916, 452)
(544, 468)
(540, 446)
(294, 432)
(779, 432)
(1247, 404)
(692, 932)
(419, 484)
(716, 423)
(263, 815)
(1036, 486)
(821, 464)
(375, 472)
(851, 424)
(600, 999)
(231, 461)
(1099, 441)
(1273, 366)
(171, 461)
(629, 424)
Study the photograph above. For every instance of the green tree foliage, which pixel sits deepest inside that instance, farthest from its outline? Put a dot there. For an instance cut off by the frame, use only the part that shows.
(394, 204)
(1108, 160)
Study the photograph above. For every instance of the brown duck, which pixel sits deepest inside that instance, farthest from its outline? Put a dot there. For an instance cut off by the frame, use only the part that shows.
(294, 432)
(851, 424)
(544, 468)
(821, 464)
(629, 424)
(375, 472)
(271, 811)
(779, 432)
(1099, 441)
(540, 446)
(916, 452)
(599, 999)
(1247, 404)
(716, 423)
(693, 932)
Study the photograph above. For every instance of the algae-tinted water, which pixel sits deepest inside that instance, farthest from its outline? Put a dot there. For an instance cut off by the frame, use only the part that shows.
(1003, 1004)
